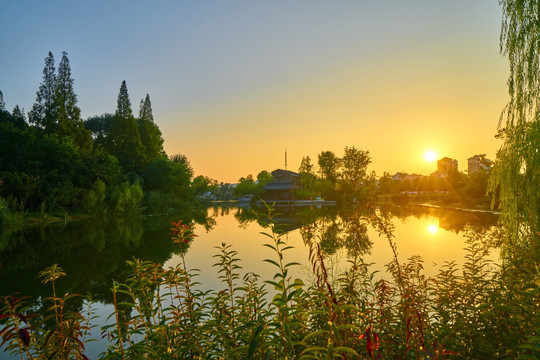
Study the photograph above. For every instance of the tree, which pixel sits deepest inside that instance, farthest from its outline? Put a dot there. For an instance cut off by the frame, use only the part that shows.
(306, 167)
(124, 140)
(329, 166)
(307, 178)
(168, 174)
(182, 160)
(182, 175)
(99, 126)
(354, 165)
(263, 178)
(516, 173)
(386, 184)
(201, 185)
(18, 113)
(43, 113)
(246, 186)
(145, 109)
(150, 134)
(68, 114)
(2, 103)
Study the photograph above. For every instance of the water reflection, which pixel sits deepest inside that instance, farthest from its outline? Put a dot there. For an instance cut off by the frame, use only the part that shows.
(93, 252)
(433, 228)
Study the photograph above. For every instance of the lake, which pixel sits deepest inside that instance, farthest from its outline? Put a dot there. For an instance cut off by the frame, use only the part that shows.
(93, 251)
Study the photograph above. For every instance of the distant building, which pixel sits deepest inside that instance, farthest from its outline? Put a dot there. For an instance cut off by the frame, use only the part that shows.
(447, 165)
(283, 186)
(478, 162)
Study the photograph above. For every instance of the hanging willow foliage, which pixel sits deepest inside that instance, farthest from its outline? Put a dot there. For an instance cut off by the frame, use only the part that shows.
(516, 176)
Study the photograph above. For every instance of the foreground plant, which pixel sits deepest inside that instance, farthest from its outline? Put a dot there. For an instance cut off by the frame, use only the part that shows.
(62, 340)
(16, 330)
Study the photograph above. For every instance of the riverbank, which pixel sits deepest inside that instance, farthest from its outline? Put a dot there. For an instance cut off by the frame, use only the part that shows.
(459, 208)
(19, 219)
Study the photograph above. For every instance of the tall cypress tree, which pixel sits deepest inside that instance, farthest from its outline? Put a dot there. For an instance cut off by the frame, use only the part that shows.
(123, 105)
(66, 100)
(43, 111)
(145, 109)
(68, 113)
(18, 113)
(150, 134)
(124, 140)
(2, 103)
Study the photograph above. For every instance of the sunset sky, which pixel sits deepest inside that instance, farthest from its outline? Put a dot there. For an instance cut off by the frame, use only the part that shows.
(235, 83)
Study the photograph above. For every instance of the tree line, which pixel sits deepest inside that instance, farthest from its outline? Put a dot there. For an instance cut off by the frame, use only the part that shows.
(338, 178)
(51, 160)
(347, 178)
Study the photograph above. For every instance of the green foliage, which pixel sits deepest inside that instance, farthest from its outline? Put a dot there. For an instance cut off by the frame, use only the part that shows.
(94, 199)
(223, 192)
(126, 197)
(246, 186)
(68, 114)
(4, 210)
(516, 173)
(354, 164)
(329, 166)
(150, 134)
(57, 333)
(43, 113)
(307, 179)
(124, 140)
(99, 126)
(202, 185)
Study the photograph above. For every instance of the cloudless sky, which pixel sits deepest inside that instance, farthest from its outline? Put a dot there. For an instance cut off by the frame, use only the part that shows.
(235, 83)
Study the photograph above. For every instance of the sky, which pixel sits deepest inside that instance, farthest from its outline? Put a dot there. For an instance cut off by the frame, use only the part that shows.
(236, 84)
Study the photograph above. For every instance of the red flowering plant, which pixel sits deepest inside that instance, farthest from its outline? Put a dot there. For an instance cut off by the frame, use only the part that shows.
(372, 342)
(182, 234)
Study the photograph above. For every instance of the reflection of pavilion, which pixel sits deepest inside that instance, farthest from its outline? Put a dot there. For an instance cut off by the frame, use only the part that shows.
(287, 218)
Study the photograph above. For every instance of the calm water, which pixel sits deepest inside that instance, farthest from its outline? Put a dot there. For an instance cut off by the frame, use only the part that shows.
(93, 252)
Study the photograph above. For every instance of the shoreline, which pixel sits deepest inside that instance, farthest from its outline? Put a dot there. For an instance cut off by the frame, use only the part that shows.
(448, 207)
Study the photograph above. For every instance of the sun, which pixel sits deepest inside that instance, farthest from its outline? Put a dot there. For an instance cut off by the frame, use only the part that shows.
(430, 156)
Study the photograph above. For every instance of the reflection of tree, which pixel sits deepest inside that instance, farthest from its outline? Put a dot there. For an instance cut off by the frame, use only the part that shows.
(92, 252)
(333, 231)
(357, 241)
(245, 215)
(330, 239)
(449, 219)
